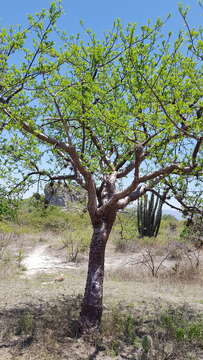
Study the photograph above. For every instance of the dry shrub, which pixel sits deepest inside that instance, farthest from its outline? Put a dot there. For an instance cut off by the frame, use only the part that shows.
(176, 260)
(125, 246)
(175, 257)
(5, 240)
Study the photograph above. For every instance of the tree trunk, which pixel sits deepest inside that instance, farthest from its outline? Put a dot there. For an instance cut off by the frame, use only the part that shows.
(92, 304)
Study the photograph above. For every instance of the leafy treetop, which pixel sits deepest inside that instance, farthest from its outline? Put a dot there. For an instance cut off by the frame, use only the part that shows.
(97, 111)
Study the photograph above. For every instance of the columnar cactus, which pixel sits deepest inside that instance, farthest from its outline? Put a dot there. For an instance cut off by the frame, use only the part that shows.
(149, 213)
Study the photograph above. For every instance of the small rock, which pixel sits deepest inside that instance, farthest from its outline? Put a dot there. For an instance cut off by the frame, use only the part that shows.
(168, 348)
(60, 278)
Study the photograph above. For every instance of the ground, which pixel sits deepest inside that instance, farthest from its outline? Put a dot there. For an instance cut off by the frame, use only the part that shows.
(40, 301)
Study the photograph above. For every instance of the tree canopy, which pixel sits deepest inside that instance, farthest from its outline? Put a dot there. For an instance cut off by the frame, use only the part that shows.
(98, 111)
(130, 103)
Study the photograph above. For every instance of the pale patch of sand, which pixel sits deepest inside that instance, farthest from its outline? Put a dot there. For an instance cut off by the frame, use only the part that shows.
(40, 261)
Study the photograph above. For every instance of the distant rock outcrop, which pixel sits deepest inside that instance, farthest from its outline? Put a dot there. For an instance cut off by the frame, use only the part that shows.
(60, 194)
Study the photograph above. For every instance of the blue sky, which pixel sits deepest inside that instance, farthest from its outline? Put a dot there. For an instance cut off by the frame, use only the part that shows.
(99, 15)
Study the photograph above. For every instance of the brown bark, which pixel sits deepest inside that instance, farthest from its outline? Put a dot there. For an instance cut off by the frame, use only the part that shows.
(92, 305)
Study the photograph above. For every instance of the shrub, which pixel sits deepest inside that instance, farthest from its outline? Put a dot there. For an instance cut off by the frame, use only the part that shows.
(8, 209)
(124, 231)
(5, 240)
(183, 325)
(122, 324)
(52, 218)
(26, 324)
(193, 231)
(76, 242)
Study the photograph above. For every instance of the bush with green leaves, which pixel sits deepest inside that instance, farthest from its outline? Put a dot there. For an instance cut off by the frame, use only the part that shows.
(183, 324)
(193, 231)
(8, 209)
(121, 326)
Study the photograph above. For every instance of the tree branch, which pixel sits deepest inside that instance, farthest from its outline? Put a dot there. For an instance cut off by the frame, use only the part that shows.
(196, 150)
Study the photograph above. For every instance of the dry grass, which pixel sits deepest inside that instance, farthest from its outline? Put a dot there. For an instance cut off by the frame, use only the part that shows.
(148, 263)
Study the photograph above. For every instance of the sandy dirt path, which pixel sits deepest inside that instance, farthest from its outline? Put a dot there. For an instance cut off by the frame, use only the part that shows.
(39, 260)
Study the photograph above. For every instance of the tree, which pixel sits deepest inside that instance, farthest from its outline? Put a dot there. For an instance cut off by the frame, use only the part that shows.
(96, 112)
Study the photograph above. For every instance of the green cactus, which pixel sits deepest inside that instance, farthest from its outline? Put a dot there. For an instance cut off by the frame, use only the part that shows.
(149, 213)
